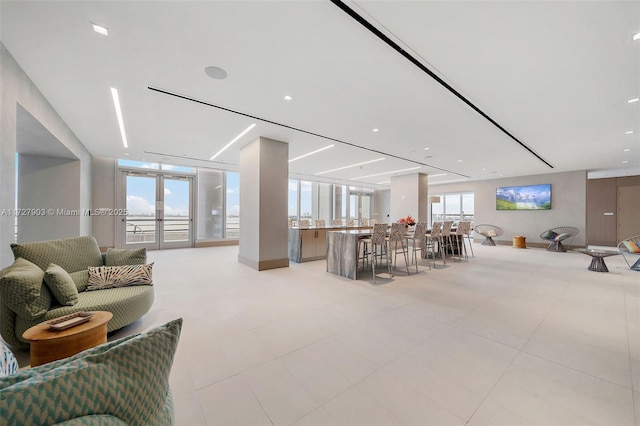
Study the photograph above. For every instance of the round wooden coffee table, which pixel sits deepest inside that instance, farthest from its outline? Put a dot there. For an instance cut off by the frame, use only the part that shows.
(49, 345)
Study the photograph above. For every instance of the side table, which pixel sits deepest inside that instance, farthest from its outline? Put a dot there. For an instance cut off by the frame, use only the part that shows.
(597, 261)
(50, 345)
(519, 241)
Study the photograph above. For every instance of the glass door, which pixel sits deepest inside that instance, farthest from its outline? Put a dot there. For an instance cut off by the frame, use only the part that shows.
(140, 224)
(176, 226)
(159, 211)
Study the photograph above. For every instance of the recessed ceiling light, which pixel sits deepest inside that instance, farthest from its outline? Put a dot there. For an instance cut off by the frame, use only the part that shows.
(126, 153)
(244, 132)
(215, 72)
(627, 149)
(116, 104)
(625, 162)
(459, 161)
(288, 98)
(636, 37)
(312, 152)
(386, 173)
(630, 101)
(628, 132)
(427, 149)
(375, 130)
(483, 169)
(352, 165)
(100, 29)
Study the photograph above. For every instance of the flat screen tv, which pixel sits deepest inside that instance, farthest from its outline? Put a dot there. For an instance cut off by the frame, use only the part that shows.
(532, 197)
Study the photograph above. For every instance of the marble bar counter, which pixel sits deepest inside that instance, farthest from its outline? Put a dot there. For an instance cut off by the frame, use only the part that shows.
(307, 244)
(342, 251)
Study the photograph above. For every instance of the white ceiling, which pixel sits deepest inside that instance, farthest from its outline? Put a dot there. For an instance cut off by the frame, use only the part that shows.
(556, 75)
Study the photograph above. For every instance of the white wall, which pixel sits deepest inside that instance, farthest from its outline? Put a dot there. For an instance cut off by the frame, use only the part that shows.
(104, 196)
(52, 184)
(568, 205)
(17, 88)
(382, 207)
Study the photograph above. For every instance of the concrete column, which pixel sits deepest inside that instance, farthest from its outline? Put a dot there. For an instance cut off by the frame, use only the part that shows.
(264, 180)
(409, 197)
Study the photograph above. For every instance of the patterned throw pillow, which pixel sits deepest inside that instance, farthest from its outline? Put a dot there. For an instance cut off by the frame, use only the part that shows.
(23, 290)
(8, 362)
(61, 285)
(119, 257)
(102, 277)
(550, 235)
(126, 378)
(632, 246)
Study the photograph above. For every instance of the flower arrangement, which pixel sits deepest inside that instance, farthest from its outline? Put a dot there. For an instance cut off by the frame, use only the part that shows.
(407, 221)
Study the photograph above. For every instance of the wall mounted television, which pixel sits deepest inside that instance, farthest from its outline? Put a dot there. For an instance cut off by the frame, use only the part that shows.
(531, 197)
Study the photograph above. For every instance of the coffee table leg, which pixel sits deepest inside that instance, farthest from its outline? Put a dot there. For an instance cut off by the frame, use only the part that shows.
(598, 265)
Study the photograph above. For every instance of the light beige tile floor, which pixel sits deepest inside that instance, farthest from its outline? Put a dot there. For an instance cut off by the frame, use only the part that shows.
(509, 337)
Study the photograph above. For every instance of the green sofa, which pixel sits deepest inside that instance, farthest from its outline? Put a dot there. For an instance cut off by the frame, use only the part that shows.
(123, 382)
(75, 256)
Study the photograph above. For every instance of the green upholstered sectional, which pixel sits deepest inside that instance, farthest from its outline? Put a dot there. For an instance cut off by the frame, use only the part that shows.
(22, 306)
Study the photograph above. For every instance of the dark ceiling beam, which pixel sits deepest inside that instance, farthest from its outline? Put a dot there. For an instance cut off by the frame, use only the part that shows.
(358, 18)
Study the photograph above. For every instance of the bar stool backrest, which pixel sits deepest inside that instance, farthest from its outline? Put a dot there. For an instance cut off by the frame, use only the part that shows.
(336, 222)
(436, 229)
(379, 233)
(397, 232)
(303, 223)
(464, 228)
(420, 231)
(446, 228)
(320, 223)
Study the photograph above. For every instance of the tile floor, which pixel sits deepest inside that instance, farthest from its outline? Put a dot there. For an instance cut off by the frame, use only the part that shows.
(510, 337)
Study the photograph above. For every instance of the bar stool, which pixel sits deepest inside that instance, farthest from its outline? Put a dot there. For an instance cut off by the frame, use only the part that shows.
(397, 236)
(464, 228)
(418, 240)
(320, 223)
(434, 239)
(446, 237)
(379, 247)
(336, 222)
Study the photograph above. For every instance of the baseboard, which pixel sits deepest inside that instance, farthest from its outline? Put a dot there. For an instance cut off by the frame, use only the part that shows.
(263, 265)
(216, 243)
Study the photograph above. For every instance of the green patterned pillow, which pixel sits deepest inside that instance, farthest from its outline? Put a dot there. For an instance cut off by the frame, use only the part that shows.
(61, 285)
(102, 277)
(127, 379)
(23, 290)
(72, 254)
(81, 278)
(118, 257)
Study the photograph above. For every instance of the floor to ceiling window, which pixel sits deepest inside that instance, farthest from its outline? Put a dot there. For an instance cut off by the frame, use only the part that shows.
(455, 207)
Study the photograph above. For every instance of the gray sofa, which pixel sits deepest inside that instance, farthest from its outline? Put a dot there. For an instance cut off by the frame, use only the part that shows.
(75, 256)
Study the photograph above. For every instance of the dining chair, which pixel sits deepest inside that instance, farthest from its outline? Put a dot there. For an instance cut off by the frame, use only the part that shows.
(418, 240)
(397, 236)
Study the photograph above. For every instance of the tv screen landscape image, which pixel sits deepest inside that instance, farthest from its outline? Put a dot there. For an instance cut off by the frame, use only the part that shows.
(532, 197)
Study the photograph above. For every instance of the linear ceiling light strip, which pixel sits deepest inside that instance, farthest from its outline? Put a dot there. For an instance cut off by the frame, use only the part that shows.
(187, 98)
(419, 64)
